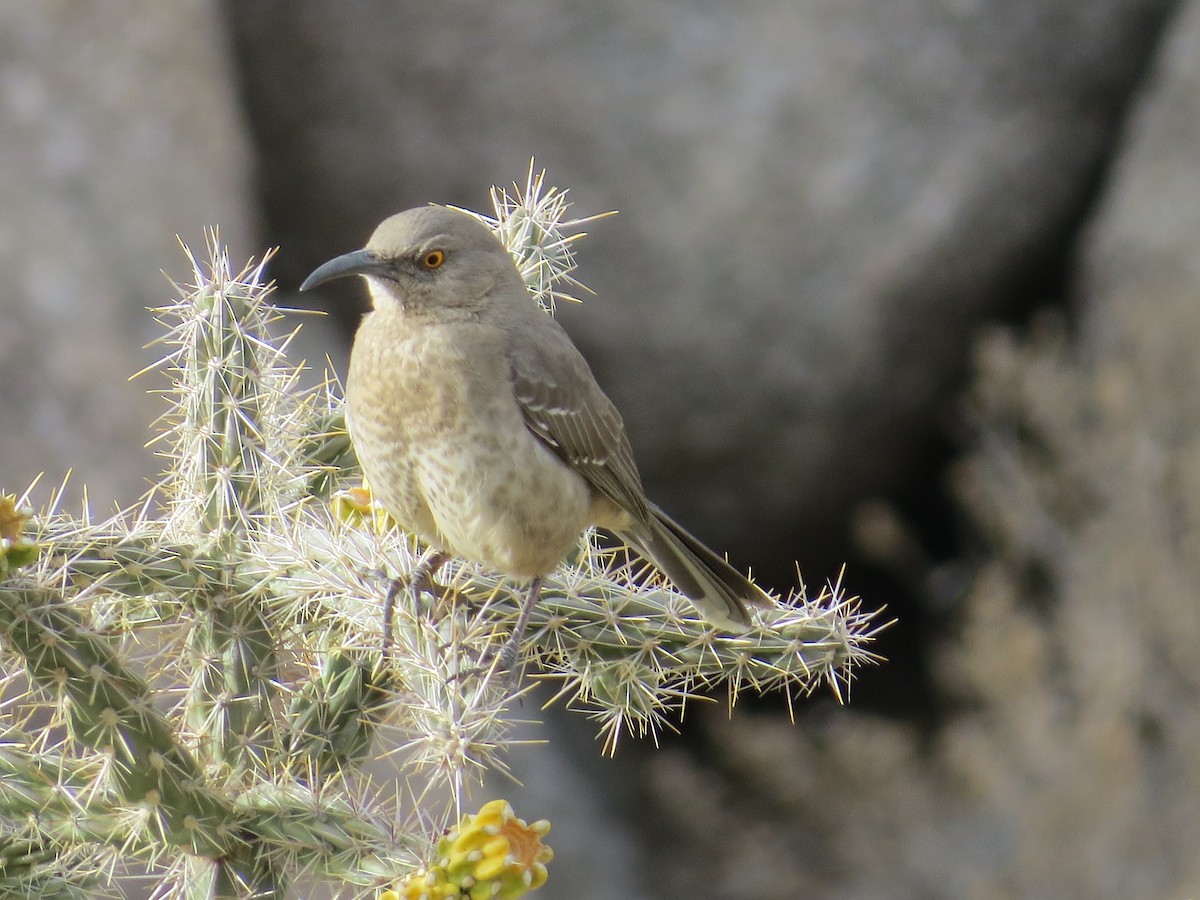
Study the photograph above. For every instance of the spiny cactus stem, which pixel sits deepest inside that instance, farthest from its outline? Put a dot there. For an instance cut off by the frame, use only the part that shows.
(328, 835)
(109, 711)
(137, 565)
(226, 399)
(589, 617)
(329, 453)
(228, 376)
(233, 653)
(334, 717)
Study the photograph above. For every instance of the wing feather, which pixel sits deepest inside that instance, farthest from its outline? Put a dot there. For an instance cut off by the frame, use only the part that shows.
(565, 407)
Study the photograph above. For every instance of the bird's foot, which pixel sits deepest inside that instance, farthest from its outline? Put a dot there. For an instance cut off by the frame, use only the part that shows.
(419, 581)
(506, 663)
(503, 665)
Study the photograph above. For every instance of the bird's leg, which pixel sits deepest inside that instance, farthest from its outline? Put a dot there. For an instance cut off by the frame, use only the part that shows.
(419, 580)
(507, 660)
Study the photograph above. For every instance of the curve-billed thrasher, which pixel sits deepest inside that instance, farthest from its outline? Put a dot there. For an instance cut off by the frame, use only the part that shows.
(480, 427)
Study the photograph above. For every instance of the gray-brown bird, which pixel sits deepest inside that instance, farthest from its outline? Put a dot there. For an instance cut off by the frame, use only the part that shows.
(480, 427)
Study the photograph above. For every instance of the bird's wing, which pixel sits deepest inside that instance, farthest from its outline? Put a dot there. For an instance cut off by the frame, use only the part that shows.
(564, 406)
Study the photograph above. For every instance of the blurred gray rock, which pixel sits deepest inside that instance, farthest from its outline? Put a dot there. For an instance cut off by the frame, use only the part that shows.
(819, 201)
(1066, 760)
(1141, 255)
(121, 130)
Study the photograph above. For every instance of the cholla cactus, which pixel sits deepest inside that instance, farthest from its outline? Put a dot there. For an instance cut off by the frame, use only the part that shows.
(194, 684)
(533, 225)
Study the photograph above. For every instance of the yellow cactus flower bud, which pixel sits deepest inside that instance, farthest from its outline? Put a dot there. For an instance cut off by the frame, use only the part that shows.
(16, 550)
(493, 854)
(355, 505)
(426, 884)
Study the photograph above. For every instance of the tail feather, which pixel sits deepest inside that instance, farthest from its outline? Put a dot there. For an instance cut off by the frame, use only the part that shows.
(719, 591)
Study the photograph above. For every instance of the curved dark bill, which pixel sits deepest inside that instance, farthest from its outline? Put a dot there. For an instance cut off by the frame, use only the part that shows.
(360, 262)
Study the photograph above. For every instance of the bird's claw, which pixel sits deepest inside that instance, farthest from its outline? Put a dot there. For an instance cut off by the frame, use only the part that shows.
(419, 581)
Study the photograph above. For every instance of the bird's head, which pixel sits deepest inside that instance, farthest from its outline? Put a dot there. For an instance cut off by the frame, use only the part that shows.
(431, 256)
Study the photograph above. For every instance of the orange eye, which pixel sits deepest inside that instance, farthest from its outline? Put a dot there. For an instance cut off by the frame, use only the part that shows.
(433, 259)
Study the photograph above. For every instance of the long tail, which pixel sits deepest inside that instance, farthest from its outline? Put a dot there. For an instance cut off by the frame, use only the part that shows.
(719, 591)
